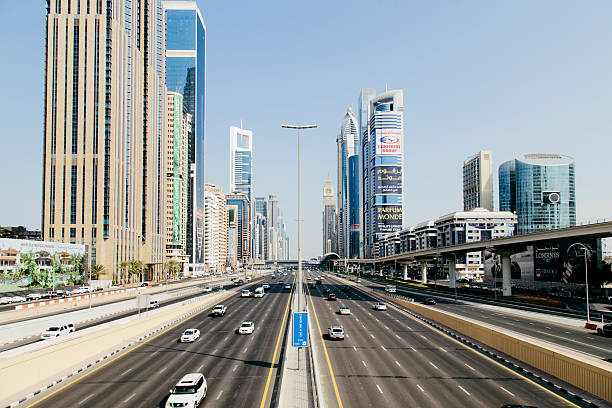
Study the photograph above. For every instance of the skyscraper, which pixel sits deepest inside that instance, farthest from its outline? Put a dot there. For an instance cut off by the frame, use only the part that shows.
(241, 153)
(272, 210)
(348, 186)
(330, 241)
(382, 163)
(540, 187)
(104, 125)
(176, 174)
(363, 109)
(261, 231)
(478, 181)
(185, 74)
(215, 228)
(242, 217)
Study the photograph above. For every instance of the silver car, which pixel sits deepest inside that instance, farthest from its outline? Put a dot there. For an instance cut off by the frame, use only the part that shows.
(336, 333)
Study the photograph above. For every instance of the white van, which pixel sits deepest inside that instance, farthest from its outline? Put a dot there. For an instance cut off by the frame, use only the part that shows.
(391, 289)
(245, 293)
(259, 292)
(188, 392)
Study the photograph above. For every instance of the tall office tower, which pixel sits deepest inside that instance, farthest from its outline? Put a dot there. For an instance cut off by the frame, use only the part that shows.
(242, 220)
(478, 181)
(272, 210)
(185, 74)
(215, 228)
(540, 187)
(363, 109)
(241, 153)
(330, 241)
(177, 172)
(104, 131)
(261, 232)
(280, 236)
(382, 163)
(348, 186)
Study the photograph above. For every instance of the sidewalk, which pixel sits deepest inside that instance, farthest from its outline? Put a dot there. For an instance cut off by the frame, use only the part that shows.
(294, 388)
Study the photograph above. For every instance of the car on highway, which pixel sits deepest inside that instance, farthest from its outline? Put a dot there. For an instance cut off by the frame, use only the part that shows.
(346, 288)
(287, 286)
(144, 284)
(605, 330)
(248, 279)
(344, 310)
(358, 280)
(265, 286)
(154, 304)
(5, 300)
(18, 299)
(380, 306)
(429, 301)
(336, 333)
(34, 296)
(57, 331)
(247, 327)
(331, 296)
(309, 279)
(189, 336)
(245, 293)
(326, 291)
(188, 392)
(207, 289)
(218, 310)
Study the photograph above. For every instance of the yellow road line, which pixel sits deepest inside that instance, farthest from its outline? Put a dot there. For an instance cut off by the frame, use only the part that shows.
(280, 332)
(331, 370)
(475, 351)
(125, 353)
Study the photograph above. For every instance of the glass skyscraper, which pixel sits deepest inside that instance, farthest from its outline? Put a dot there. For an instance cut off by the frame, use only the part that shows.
(186, 74)
(541, 189)
(241, 152)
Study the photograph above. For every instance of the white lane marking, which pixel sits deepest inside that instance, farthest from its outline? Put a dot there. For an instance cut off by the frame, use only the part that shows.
(219, 396)
(383, 347)
(234, 369)
(214, 351)
(398, 364)
(506, 391)
(200, 368)
(469, 366)
(379, 390)
(125, 372)
(463, 389)
(423, 336)
(443, 350)
(364, 364)
(85, 399)
(162, 370)
(371, 335)
(531, 324)
(363, 325)
(245, 349)
(549, 328)
(433, 365)
(397, 335)
(354, 348)
(412, 348)
(129, 398)
(419, 387)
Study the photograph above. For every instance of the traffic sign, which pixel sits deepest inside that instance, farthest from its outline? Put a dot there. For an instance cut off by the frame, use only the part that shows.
(300, 330)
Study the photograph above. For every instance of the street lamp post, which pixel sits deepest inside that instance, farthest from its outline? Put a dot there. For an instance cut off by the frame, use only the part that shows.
(586, 282)
(301, 305)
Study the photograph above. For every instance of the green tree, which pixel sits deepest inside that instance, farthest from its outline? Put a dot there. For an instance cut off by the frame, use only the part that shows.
(77, 269)
(29, 268)
(173, 267)
(135, 268)
(123, 268)
(96, 271)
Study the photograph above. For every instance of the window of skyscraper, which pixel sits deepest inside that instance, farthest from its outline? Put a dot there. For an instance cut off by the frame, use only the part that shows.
(180, 30)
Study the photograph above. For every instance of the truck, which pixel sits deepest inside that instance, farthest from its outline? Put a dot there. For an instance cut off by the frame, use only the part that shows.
(390, 288)
(259, 292)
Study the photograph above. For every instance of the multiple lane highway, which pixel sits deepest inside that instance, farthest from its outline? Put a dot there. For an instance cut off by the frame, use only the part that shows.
(239, 368)
(391, 359)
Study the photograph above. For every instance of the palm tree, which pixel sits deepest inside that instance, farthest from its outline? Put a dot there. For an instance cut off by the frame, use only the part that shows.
(172, 268)
(29, 268)
(135, 268)
(96, 271)
(123, 267)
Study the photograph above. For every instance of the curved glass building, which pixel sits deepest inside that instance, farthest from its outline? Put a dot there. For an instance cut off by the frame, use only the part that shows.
(540, 187)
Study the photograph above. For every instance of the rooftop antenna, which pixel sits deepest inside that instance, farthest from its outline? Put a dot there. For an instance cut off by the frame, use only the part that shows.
(386, 88)
(241, 124)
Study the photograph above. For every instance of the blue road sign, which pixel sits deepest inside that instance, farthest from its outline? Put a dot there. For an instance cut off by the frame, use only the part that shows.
(300, 330)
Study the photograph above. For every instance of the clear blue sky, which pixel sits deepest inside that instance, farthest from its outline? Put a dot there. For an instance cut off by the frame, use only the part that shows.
(509, 76)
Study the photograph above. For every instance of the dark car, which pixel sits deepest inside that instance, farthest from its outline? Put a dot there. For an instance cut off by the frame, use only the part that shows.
(605, 330)
(430, 301)
(144, 285)
(331, 296)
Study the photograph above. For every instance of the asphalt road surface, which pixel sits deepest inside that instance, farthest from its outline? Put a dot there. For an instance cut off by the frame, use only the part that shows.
(390, 359)
(237, 367)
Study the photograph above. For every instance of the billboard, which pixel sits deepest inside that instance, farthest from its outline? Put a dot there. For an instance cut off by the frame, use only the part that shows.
(388, 179)
(388, 142)
(388, 218)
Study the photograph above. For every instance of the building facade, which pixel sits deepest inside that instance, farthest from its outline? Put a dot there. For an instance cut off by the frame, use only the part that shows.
(241, 159)
(382, 163)
(215, 229)
(241, 221)
(104, 131)
(348, 186)
(478, 181)
(363, 109)
(261, 229)
(186, 74)
(330, 241)
(272, 210)
(177, 173)
(540, 188)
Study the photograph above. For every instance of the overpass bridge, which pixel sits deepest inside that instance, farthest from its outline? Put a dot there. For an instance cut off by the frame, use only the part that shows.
(503, 246)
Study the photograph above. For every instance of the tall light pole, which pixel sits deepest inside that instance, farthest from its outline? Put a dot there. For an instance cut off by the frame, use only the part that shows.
(301, 305)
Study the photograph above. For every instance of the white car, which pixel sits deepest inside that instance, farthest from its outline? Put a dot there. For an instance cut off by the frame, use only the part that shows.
(218, 310)
(287, 286)
(336, 332)
(245, 293)
(190, 335)
(207, 289)
(358, 280)
(17, 299)
(6, 300)
(246, 328)
(265, 286)
(57, 331)
(344, 310)
(380, 306)
(34, 296)
(188, 392)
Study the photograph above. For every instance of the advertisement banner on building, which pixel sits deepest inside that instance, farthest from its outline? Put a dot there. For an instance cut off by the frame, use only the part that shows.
(176, 211)
(388, 179)
(388, 142)
(388, 218)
